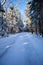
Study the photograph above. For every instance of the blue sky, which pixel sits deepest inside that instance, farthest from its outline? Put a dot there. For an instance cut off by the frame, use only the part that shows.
(21, 6)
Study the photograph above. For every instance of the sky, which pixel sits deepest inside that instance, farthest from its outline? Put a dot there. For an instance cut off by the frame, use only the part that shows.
(21, 6)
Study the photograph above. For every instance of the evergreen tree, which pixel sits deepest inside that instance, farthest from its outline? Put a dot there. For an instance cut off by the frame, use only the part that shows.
(36, 14)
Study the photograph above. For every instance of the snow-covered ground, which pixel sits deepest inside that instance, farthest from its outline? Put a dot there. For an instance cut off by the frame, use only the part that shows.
(21, 49)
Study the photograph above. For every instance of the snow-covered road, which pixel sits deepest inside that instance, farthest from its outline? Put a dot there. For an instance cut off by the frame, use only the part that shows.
(21, 49)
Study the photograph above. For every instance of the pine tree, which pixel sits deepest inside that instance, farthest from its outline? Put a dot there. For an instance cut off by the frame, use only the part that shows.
(36, 14)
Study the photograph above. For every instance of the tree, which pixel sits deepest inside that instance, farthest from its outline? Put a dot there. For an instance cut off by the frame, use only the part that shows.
(15, 21)
(28, 21)
(36, 14)
(3, 23)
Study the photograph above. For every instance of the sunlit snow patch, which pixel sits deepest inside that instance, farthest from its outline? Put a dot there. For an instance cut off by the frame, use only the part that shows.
(25, 43)
(8, 46)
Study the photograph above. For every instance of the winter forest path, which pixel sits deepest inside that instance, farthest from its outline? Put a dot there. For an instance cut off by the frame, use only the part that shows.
(21, 49)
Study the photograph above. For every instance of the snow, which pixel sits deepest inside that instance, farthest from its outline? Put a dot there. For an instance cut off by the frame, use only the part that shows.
(25, 43)
(21, 49)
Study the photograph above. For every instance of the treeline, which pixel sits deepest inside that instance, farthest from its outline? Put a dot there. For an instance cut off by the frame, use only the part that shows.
(10, 20)
(35, 13)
